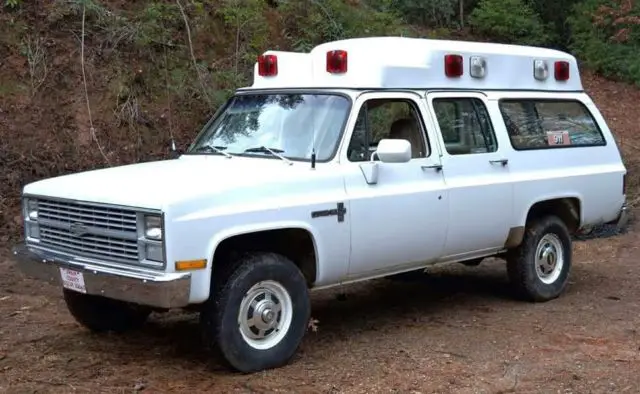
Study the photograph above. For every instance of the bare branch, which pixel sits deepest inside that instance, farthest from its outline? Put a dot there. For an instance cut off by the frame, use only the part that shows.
(86, 92)
(37, 60)
(166, 80)
(193, 56)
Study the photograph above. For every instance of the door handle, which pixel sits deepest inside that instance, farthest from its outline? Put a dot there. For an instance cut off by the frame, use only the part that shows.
(437, 167)
(501, 161)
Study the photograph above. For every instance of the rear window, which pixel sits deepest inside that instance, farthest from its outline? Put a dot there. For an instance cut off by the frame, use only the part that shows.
(544, 124)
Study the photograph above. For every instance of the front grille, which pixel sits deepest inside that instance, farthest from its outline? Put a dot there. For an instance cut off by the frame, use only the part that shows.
(89, 230)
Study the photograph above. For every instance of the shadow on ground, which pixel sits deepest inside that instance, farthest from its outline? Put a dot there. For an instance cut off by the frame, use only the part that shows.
(380, 306)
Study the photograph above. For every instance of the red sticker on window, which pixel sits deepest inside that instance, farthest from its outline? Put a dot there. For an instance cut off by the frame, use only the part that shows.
(558, 137)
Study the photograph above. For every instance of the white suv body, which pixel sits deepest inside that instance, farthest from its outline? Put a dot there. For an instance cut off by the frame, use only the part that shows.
(358, 166)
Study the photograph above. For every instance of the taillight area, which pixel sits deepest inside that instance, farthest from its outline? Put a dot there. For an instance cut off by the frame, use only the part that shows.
(453, 66)
(268, 65)
(337, 62)
(624, 184)
(562, 70)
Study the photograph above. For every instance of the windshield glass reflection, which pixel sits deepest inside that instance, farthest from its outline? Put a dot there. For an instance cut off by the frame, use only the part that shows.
(291, 125)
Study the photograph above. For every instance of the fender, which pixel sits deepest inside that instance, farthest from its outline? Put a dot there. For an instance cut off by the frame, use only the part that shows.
(201, 279)
(227, 233)
(578, 196)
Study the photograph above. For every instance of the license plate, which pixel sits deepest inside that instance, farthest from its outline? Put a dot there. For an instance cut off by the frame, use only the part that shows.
(72, 280)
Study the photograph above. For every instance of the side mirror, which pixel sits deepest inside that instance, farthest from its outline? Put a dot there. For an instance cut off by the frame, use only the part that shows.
(389, 151)
(394, 151)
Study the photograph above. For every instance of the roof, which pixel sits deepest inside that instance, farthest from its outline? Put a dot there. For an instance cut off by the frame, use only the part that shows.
(416, 63)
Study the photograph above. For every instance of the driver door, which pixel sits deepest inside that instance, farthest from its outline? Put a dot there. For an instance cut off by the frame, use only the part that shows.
(401, 221)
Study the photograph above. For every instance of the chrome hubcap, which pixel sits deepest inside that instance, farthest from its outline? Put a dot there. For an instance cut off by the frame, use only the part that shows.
(549, 258)
(265, 314)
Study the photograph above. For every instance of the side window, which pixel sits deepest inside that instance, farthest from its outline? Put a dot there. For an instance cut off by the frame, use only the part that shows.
(386, 118)
(465, 125)
(543, 124)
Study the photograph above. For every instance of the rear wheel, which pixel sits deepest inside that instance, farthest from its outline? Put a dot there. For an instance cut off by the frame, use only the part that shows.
(473, 262)
(539, 268)
(100, 314)
(258, 315)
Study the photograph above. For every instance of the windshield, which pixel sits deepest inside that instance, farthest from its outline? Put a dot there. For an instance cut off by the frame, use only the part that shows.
(290, 124)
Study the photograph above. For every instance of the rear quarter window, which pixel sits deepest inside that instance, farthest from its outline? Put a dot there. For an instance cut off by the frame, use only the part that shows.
(546, 124)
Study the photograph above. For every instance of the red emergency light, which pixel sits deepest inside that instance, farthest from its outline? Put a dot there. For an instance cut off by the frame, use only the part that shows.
(453, 66)
(561, 70)
(337, 61)
(268, 65)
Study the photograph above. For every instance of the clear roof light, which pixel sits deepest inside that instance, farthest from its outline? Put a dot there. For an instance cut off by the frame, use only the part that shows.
(477, 66)
(540, 70)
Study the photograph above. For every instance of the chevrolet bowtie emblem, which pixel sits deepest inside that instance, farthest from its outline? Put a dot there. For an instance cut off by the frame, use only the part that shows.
(78, 229)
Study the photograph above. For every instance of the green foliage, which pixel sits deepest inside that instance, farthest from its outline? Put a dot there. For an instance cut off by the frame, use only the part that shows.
(606, 36)
(158, 23)
(509, 21)
(554, 13)
(433, 13)
(12, 3)
(311, 22)
(249, 28)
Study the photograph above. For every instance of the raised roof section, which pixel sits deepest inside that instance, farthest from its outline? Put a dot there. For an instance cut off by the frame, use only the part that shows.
(415, 63)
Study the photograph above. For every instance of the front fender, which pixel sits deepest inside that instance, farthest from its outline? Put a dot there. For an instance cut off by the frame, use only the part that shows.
(201, 282)
(227, 233)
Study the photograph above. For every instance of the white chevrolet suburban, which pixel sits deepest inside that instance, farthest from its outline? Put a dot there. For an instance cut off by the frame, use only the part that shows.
(364, 158)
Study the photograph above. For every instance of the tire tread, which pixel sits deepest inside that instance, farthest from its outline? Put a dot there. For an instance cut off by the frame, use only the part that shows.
(213, 315)
(522, 273)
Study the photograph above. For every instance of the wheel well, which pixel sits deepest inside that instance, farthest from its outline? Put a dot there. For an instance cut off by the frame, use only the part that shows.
(294, 243)
(567, 209)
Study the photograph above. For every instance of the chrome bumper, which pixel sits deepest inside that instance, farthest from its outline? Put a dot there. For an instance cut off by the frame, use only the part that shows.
(623, 217)
(161, 290)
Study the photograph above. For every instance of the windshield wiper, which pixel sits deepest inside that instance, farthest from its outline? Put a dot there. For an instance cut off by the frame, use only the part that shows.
(213, 148)
(275, 152)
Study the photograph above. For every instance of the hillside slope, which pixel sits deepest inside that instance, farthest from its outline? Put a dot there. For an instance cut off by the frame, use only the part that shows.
(148, 78)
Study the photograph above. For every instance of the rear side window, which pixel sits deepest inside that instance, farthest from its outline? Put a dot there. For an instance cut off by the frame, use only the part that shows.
(465, 126)
(544, 124)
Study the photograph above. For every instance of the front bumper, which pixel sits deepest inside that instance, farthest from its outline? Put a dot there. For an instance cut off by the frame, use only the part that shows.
(155, 289)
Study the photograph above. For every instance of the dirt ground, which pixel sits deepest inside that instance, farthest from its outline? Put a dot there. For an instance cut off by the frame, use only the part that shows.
(458, 330)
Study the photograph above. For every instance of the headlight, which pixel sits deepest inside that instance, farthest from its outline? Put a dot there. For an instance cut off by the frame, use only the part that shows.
(152, 238)
(154, 252)
(31, 209)
(153, 227)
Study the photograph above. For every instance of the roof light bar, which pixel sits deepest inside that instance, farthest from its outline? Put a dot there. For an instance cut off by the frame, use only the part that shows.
(453, 66)
(561, 70)
(477, 66)
(540, 70)
(337, 61)
(267, 65)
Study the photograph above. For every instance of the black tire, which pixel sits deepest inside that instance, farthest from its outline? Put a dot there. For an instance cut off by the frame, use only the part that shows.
(220, 316)
(521, 261)
(100, 314)
(408, 276)
(473, 262)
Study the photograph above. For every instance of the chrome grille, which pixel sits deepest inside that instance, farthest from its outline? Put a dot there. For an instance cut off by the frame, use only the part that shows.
(113, 219)
(89, 230)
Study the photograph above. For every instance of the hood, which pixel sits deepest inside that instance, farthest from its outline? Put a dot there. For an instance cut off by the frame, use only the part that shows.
(156, 184)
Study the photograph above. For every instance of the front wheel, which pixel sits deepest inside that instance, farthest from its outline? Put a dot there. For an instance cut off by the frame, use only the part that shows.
(539, 268)
(258, 315)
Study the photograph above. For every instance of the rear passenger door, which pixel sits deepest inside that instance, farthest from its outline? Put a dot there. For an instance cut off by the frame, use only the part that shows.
(475, 165)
